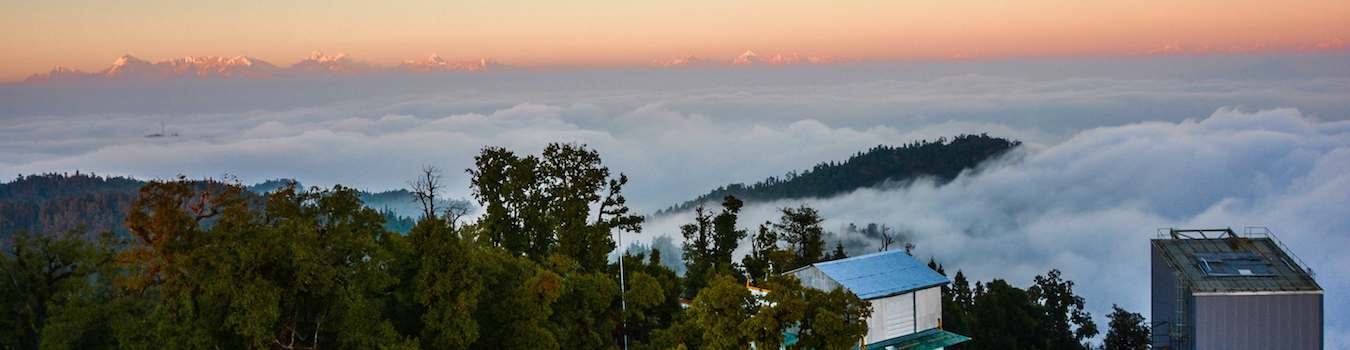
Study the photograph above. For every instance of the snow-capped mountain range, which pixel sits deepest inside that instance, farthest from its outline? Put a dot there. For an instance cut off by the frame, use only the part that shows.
(130, 67)
(748, 58)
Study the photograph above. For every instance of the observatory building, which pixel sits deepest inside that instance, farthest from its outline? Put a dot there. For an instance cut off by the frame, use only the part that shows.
(1215, 289)
(906, 298)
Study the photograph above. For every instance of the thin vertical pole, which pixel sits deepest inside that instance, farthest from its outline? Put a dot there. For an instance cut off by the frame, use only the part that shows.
(623, 299)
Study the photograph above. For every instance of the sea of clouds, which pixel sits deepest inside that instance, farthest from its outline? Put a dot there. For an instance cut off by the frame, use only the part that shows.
(1114, 148)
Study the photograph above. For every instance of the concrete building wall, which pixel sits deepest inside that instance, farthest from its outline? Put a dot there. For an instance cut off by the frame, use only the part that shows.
(1258, 321)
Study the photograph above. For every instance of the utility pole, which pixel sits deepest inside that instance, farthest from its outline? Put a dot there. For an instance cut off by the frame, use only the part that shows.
(623, 299)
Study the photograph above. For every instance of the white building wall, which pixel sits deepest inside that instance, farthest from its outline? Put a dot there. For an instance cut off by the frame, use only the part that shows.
(892, 316)
(812, 277)
(903, 314)
(929, 307)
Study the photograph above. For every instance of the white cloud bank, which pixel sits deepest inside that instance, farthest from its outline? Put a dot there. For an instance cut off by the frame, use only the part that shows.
(1089, 204)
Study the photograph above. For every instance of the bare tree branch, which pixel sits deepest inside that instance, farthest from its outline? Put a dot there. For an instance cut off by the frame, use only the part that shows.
(424, 189)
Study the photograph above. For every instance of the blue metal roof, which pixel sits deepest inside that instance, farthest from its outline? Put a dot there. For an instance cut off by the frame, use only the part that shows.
(881, 274)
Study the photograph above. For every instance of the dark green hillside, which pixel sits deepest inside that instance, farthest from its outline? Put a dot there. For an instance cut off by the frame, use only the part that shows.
(61, 202)
(942, 159)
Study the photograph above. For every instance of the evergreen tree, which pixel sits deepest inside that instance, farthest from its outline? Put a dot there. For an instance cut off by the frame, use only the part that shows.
(726, 235)
(1005, 318)
(838, 252)
(697, 251)
(957, 303)
(709, 243)
(801, 228)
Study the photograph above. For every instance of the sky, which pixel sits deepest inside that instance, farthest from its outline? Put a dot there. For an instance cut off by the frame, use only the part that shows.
(39, 35)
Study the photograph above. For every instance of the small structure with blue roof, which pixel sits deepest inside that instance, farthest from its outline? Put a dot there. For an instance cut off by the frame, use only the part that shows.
(905, 294)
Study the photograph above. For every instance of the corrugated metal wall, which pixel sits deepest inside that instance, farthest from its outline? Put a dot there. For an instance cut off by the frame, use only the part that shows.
(1241, 322)
(1164, 301)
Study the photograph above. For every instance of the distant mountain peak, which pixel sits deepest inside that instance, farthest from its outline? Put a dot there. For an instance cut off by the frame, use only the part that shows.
(318, 56)
(435, 62)
(127, 59)
(686, 61)
(747, 58)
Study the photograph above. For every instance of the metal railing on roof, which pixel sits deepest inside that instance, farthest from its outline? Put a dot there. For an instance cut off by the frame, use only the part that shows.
(1262, 231)
(1247, 232)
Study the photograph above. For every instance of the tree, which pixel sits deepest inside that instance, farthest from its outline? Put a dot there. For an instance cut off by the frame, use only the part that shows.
(653, 297)
(307, 271)
(425, 188)
(507, 187)
(697, 251)
(833, 320)
(586, 315)
(446, 286)
(957, 303)
(56, 291)
(1066, 323)
(536, 205)
(516, 316)
(762, 245)
(1127, 330)
(709, 243)
(1006, 318)
(800, 228)
(719, 313)
(839, 252)
(726, 236)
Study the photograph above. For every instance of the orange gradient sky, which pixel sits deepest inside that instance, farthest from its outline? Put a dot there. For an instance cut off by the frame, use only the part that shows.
(38, 35)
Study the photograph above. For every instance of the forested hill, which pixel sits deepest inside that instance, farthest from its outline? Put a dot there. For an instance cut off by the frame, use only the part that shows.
(52, 203)
(942, 159)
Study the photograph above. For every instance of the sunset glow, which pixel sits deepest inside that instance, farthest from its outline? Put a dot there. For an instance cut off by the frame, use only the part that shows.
(88, 36)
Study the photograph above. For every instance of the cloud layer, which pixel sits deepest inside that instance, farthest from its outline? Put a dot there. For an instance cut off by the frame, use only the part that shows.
(1089, 205)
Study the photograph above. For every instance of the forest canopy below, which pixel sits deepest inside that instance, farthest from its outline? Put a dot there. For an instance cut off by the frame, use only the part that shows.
(212, 264)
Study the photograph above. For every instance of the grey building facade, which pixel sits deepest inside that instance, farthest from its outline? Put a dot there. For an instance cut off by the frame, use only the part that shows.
(1215, 289)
